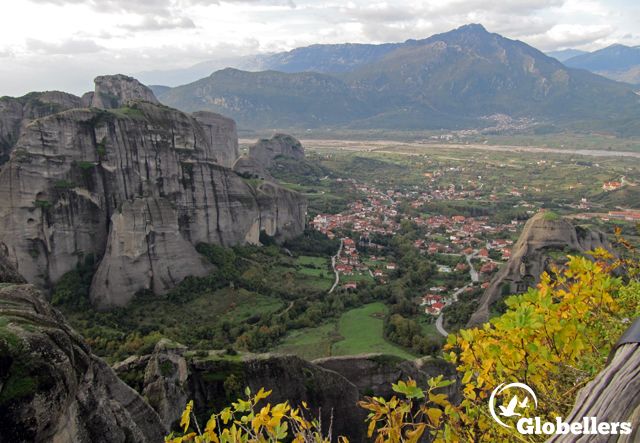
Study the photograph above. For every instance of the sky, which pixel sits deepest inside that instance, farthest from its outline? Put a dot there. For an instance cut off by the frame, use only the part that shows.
(64, 44)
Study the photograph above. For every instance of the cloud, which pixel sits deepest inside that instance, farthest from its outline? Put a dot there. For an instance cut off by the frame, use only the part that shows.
(71, 46)
(570, 36)
(149, 23)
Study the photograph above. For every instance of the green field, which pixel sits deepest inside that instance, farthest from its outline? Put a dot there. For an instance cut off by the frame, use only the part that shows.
(356, 332)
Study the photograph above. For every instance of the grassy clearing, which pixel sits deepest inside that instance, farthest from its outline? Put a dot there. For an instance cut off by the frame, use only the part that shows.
(358, 331)
(311, 343)
(362, 329)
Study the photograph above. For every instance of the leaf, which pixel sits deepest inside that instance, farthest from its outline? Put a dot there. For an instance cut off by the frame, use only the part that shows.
(185, 419)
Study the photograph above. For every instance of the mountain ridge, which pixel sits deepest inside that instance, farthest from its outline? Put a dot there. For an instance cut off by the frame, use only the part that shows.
(451, 80)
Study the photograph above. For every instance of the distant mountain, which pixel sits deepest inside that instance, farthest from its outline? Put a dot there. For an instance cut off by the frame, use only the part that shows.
(462, 78)
(618, 62)
(270, 99)
(565, 54)
(315, 58)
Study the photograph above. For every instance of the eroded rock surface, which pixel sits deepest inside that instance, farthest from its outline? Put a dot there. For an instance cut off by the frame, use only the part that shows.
(17, 113)
(137, 187)
(115, 91)
(530, 257)
(262, 155)
(53, 389)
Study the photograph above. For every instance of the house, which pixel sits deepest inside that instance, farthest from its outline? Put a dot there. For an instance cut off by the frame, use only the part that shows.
(611, 186)
(483, 253)
(378, 273)
(391, 266)
(350, 285)
(434, 309)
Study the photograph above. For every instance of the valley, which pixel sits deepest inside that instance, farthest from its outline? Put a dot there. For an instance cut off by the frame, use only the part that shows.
(423, 229)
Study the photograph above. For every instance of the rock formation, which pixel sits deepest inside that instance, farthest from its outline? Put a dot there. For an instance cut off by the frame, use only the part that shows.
(53, 389)
(116, 91)
(373, 374)
(220, 132)
(17, 113)
(136, 186)
(332, 386)
(263, 153)
(543, 234)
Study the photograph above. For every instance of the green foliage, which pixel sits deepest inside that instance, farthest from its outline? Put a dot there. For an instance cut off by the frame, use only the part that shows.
(64, 184)
(42, 204)
(85, 165)
(72, 290)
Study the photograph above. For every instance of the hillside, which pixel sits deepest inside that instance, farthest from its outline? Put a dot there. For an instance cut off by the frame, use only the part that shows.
(618, 62)
(459, 79)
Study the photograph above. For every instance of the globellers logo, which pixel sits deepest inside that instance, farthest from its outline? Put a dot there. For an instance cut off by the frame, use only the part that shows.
(519, 404)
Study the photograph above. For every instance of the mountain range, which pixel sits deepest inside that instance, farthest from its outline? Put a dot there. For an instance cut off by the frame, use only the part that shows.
(617, 62)
(465, 78)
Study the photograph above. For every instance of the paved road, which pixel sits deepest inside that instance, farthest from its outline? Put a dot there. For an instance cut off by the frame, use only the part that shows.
(333, 266)
(439, 326)
(472, 272)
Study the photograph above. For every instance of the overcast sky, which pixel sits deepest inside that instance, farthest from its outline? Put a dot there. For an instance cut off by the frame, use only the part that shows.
(63, 44)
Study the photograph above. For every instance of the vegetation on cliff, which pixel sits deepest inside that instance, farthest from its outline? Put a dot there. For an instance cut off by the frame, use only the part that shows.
(555, 338)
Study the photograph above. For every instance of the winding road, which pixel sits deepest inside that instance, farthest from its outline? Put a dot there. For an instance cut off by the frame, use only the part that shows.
(474, 278)
(333, 266)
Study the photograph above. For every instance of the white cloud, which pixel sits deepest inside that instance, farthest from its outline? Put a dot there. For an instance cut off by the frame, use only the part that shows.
(71, 46)
(99, 36)
(149, 23)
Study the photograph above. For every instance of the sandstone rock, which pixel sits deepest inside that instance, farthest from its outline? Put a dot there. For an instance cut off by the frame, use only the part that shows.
(53, 389)
(84, 178)
(292, 379)
(266, 150)
(146, 251)
(373, 374)
(165, 381)
(543, 233)
(222, 136)
(262, 155)
(116, 91)
(16, 113)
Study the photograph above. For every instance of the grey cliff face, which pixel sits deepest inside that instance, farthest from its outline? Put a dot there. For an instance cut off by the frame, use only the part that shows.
(331, 386)
(138, 187)
(221, 134)
(52, 389)
(530, 257)
(115, 91)
(17, 113)
(266, 150)
(262, 154)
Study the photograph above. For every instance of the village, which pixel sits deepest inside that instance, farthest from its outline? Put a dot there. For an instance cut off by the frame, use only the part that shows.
(477, 245)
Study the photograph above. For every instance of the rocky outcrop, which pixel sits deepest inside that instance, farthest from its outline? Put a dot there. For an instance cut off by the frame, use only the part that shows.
(214, 379)
(116, 91)
(137, 187)
(17, 113)
(53, 389)
(221, 134)
(145, 251)
(373, 374)
(165, 381)
(262, 155)
(266, 150)
(544, 234)
(331, 386)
